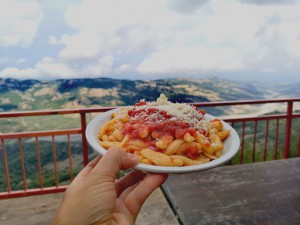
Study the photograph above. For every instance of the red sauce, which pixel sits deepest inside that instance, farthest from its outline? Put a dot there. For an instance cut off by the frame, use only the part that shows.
(146, 112)
(164, 128)
(177, 129)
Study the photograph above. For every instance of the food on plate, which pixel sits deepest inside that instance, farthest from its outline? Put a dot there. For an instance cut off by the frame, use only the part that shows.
(163, 133)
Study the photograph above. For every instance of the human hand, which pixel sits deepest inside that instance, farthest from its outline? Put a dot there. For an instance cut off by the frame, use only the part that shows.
(96, 196)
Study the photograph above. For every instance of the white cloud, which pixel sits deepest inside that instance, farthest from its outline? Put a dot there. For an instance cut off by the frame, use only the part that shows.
(124, 68)
(52, 40)
(102, 66)
(226, 40)
(110, 16)
(174, 37)
(21, 61)
(113, 28)
(136, 39)
(85, 45)
(19, 22)
(49, 68)
(191, 60)
(269, 2)
(267, 70)
(186, 6)
(19, 73)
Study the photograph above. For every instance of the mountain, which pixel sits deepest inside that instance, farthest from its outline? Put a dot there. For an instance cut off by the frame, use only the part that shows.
(18, 95)
(288, 89)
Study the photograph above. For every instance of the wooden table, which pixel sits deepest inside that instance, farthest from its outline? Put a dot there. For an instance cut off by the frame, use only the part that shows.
(257, 193)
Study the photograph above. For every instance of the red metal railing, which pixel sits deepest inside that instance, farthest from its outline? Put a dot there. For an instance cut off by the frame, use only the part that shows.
(248, 127)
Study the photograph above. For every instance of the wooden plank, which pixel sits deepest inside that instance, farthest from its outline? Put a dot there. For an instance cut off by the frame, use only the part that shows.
(255, 193)
(39, 210)
(35, 210)
(156, 210)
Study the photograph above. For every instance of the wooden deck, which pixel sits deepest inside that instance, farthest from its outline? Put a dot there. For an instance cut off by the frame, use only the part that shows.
(39, 210)
(263, 193)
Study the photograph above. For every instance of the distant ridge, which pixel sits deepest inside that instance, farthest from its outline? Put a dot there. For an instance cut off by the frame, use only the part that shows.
(87, 92)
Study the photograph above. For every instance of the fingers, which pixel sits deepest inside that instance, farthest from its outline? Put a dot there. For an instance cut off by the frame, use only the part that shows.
(89, 166)
(114, 160)
(126, 192)
(137, 197)
(130, 179)
(85, 171)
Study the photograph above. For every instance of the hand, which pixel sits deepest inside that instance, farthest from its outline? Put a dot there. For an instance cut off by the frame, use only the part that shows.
(96, 196)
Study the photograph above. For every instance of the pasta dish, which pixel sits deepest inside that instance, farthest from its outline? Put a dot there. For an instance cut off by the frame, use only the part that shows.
(163, 133)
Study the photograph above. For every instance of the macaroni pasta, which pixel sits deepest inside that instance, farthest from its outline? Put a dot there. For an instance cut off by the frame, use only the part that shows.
(163, 133)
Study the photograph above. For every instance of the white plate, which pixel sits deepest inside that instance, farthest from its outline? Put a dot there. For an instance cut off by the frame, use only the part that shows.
(231, 146)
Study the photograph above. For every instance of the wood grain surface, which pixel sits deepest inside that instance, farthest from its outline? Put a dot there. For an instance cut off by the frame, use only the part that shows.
(39, 210)
(257, 193)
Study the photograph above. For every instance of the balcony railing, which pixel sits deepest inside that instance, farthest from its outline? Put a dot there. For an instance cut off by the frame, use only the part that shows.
(263, 137)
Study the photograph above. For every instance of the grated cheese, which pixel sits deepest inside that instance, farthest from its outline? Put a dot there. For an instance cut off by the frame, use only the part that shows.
(163, 110)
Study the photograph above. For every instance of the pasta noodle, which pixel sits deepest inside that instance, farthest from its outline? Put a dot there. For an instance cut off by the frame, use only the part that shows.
(163, 133)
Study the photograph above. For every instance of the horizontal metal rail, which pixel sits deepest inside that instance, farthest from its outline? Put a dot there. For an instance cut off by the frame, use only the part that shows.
(39, 134)
(31, 192)
(254, 130)
(261, 118)
(247, 102)
(53, 112)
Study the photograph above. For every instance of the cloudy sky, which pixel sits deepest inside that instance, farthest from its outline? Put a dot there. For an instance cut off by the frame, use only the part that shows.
(142, 39)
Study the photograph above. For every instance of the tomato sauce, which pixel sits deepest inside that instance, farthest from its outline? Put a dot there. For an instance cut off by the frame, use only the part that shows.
(164, 128)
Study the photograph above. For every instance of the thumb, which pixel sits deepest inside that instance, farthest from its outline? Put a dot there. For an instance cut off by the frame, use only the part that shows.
(114, 160)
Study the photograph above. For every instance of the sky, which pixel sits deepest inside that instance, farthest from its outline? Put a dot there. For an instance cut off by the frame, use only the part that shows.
(140, 39)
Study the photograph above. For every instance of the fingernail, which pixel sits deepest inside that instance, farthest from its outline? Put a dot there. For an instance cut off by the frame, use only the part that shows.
(133, 156)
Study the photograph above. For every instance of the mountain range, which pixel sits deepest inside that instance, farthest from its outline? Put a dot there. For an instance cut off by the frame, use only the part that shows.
(16, 95)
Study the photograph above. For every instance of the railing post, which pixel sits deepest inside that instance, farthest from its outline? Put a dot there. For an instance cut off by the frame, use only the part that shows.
(85, 152)
(5, 167)
(288, 127)
(299, 142)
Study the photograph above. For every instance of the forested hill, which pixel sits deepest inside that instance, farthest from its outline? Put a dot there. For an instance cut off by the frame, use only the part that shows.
(18, 95)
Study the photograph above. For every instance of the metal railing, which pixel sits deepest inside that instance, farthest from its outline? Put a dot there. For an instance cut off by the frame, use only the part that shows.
(253, 141)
